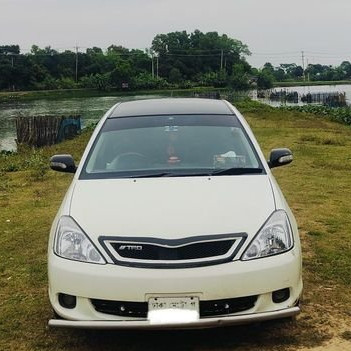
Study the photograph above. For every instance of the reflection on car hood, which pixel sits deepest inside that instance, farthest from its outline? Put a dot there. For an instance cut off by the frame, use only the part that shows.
(172, 208)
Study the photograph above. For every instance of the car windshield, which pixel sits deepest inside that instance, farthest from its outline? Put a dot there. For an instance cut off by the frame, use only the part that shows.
(177, 145)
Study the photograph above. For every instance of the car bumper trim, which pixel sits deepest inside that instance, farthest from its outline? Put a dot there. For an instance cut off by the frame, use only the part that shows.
(201, 323)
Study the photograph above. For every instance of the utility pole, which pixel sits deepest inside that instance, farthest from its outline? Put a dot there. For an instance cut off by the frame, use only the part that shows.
(13, 85)
(221, 59)
(152, 65)
(303, 65)
(76, 64)
(157, 66)
(12, 65)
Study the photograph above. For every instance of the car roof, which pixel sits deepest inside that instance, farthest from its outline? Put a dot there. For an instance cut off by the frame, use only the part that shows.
(171, 106)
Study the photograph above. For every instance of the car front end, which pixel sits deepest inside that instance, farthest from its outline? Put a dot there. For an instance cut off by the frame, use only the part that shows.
(176, 247)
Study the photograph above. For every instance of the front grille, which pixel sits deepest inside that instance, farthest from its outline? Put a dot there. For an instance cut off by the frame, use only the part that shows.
(121, 308)
(226, 306)
(151, 252)
(208, 308)
(188, 252)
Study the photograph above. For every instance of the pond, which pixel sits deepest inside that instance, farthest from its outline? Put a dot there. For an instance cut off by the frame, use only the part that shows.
(306, 90)
(91, 110)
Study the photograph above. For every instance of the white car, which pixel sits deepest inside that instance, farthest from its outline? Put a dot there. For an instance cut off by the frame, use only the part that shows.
(173, 220)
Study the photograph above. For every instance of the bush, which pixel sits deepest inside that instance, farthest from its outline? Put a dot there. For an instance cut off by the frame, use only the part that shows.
(96, 81)
(9, 162)
(338, 114)
(145, 81)
(66, 83)
(37, 164)
(264, 80)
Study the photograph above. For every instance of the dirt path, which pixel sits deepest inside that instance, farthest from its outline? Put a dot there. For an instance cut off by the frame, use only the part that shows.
(333, 345)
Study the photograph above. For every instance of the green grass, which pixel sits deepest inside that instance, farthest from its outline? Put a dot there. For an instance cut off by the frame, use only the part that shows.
(317, 186)
(338, 114)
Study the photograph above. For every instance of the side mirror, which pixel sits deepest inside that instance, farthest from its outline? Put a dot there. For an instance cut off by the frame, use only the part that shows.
(280, 157)
(63, 163)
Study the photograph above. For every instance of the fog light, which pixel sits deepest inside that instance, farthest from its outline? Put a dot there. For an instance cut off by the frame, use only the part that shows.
(67, 301)
(280, 295)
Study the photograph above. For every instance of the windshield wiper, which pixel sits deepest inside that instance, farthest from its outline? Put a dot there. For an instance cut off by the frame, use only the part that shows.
(199, 173)
(236, 171)
(149, 175)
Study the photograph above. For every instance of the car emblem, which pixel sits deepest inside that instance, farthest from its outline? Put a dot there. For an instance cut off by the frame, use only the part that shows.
(131, 247)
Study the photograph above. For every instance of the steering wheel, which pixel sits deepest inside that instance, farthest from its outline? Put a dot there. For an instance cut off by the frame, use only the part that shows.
(129, 160)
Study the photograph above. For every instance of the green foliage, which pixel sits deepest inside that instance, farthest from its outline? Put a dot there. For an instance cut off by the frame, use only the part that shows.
(97, 81)
(37, 164)
(251, 106)
(122, 73)
(9, 162)
(198, 53)
(179, 58)
(66, 83)
(239, 79)
(211, 79)
(264, 80)
(9, 49)
(338, 114)
(313, 72)
(175, 76)
(50, 83)
(145, 81)
(26, 158)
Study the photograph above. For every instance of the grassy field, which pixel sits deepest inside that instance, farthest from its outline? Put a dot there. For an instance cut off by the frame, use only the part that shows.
(317, 186)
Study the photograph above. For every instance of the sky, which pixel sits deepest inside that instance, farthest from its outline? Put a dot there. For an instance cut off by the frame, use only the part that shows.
(275, 31)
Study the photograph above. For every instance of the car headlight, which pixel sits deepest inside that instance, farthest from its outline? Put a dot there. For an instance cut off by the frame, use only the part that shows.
(72, 243)
(273, 238)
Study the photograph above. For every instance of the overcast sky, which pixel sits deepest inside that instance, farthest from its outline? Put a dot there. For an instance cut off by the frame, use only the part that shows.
(274, 30)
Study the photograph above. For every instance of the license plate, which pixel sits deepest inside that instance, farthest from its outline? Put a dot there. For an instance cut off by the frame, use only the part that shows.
(173, 309)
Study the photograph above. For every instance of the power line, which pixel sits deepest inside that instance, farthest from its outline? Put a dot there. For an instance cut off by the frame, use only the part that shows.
(193, 55)
(275, 53)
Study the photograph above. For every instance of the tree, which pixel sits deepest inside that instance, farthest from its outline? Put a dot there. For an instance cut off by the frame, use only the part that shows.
(9, 49)
(268, 67)
(264, 80)
(239, 79)
(121, 74)
(184, 60)
(197, 53)
(175, 75)
(346, 69)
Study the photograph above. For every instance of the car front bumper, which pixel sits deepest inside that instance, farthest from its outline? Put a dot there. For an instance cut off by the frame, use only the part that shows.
(201, 323)
(225, 281)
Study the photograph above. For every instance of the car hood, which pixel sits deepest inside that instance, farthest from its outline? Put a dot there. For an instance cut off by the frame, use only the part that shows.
(172, 208)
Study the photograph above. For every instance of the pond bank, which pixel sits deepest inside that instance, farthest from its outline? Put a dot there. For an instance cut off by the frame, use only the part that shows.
(85, 93)
(309, 83)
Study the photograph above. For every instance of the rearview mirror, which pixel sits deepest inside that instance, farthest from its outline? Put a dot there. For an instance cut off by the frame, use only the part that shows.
(280, 157)
(63, 163)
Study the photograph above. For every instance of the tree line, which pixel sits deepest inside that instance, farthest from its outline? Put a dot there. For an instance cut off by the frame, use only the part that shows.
(175, 60)
(313, 72)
